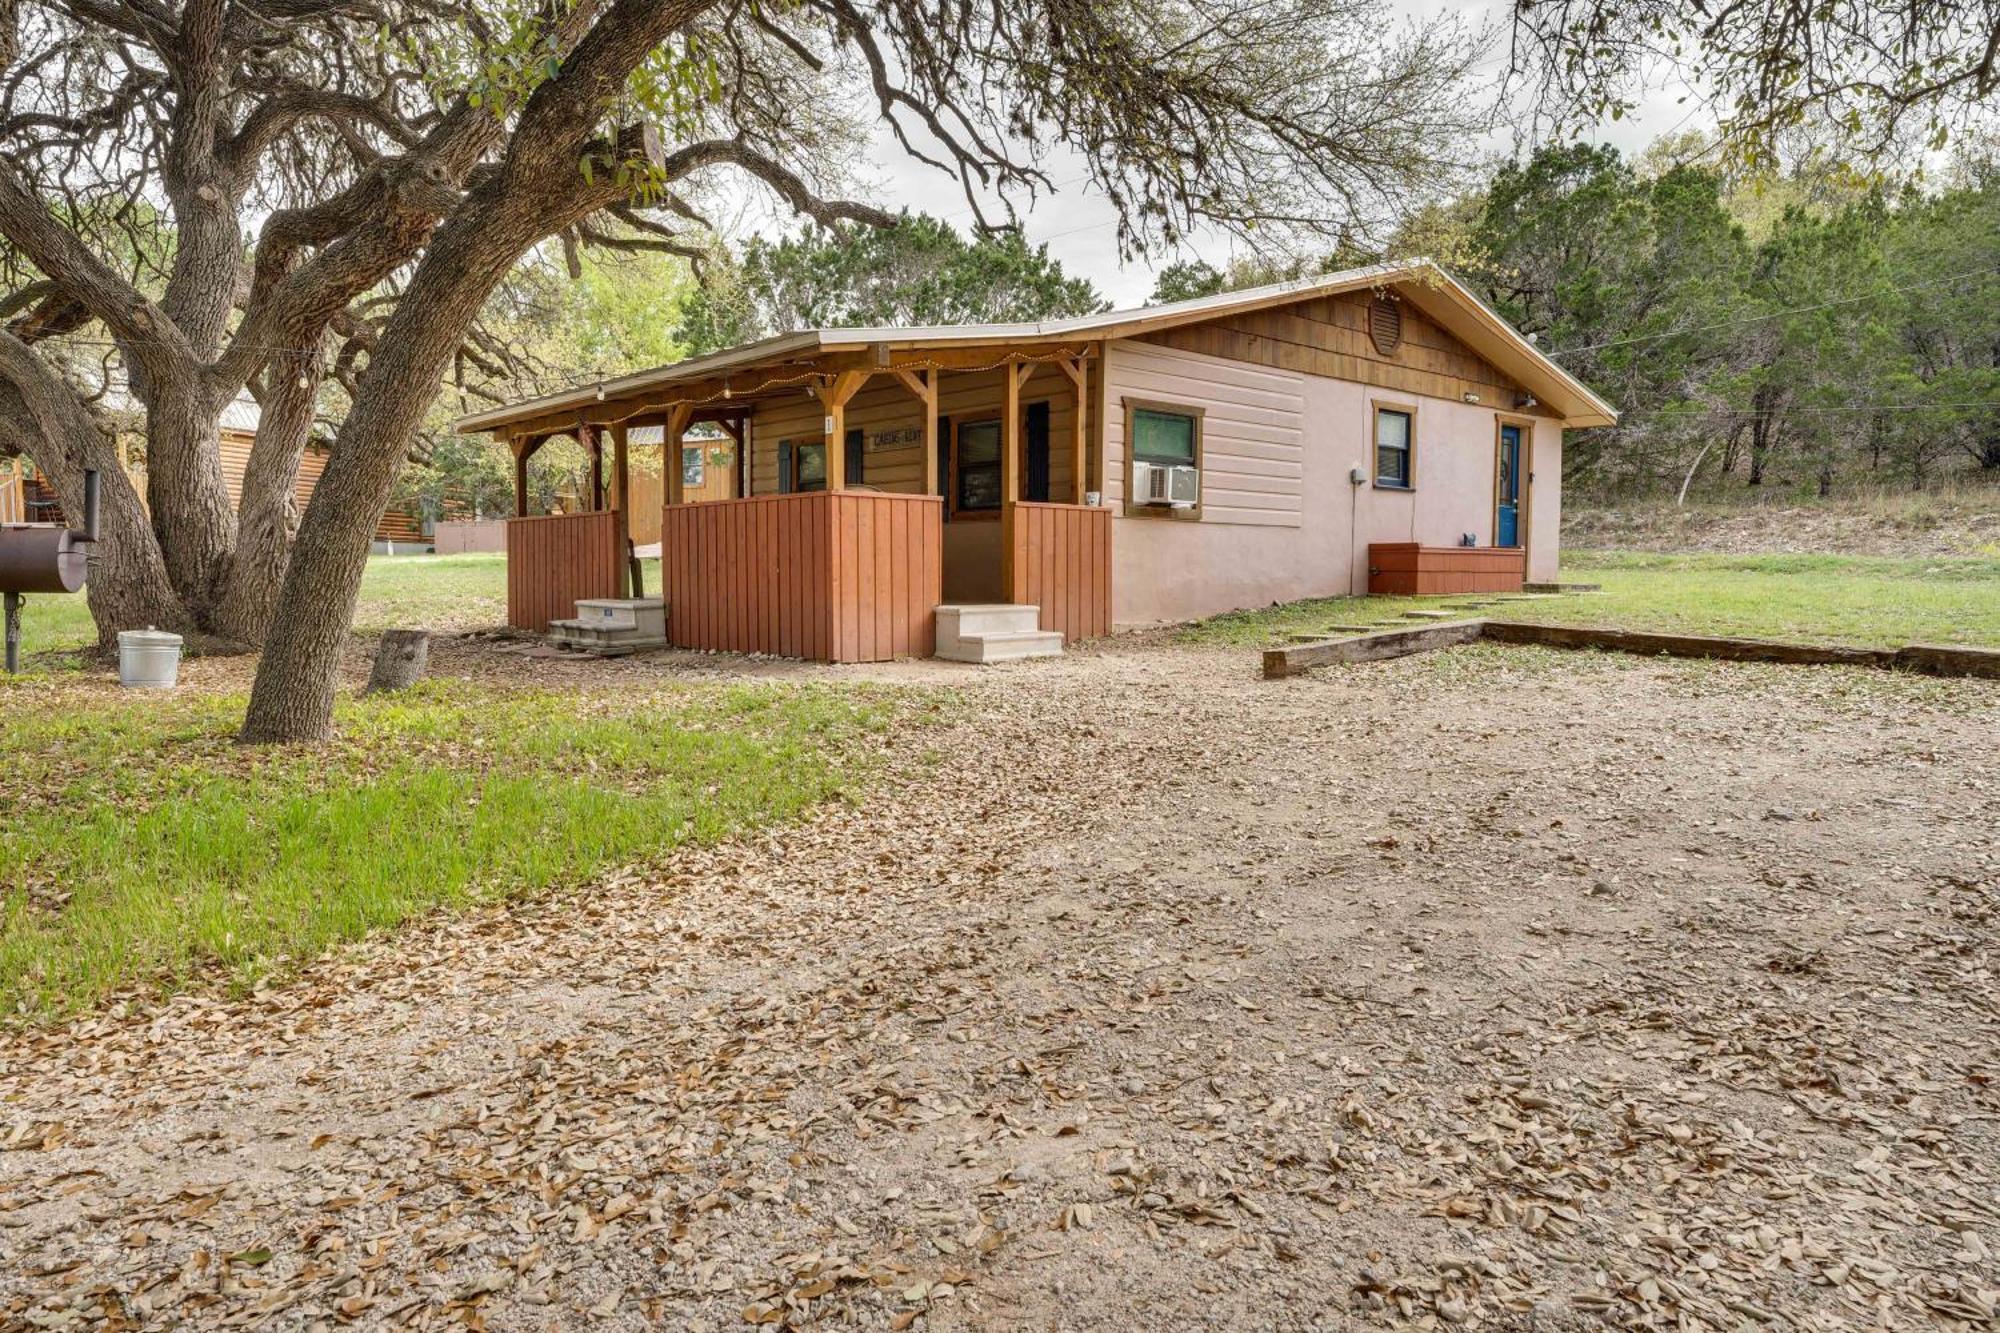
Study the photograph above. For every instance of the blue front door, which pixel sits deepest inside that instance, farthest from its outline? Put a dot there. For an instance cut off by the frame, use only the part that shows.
(1507, 503)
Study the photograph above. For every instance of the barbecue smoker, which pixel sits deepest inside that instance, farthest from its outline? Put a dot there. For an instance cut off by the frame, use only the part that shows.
(44, 557)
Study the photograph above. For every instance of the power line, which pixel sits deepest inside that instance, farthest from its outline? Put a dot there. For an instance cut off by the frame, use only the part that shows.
(1775, 314)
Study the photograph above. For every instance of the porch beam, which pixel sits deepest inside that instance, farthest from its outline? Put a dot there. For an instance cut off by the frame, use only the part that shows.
(1078, 371)
(707, 395)
(834, 396)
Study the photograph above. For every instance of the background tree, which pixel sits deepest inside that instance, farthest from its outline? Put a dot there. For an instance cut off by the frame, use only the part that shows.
(1870, 81)
(920, 271)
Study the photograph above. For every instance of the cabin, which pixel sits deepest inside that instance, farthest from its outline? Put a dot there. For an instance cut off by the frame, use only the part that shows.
(26, 497)
(988, 491)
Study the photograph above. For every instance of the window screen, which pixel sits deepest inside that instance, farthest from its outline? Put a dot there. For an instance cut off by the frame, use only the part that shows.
(1392, 448)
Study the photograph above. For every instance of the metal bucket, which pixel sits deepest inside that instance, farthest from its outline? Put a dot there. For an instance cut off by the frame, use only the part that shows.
(148, 659)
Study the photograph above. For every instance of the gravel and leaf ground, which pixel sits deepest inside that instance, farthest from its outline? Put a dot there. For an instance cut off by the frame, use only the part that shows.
(1492, 988)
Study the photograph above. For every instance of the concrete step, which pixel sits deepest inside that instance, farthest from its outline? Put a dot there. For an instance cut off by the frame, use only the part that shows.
(1004, 646)
(957, 618)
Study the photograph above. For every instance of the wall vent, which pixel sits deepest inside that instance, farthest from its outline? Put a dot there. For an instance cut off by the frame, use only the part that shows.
(1385, 325)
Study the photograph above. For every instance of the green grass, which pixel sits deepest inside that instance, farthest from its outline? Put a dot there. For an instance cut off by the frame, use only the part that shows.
(143, 849)
(1866, 600)
(440, 592)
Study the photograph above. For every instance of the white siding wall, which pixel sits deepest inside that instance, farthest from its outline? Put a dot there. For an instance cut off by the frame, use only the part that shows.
(1280, 519)
(1252, 429)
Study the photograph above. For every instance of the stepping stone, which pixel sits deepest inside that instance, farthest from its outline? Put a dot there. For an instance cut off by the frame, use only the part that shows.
(1429, 615)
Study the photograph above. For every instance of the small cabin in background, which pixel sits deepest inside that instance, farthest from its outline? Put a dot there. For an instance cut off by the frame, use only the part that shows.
(25, 497)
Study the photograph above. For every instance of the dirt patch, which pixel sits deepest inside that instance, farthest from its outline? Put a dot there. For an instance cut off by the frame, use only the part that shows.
(1914, 527)
(1482, 988)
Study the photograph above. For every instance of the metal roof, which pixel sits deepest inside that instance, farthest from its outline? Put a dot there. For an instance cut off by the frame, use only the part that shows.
(1456, 307)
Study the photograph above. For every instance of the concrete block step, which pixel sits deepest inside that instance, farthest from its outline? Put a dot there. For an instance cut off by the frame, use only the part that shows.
(959, 618)
(1004, 646)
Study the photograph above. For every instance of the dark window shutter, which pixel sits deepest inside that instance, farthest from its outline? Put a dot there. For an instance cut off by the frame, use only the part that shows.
(1038, 452)
(854, 456)
(784, 467)
(944, 463)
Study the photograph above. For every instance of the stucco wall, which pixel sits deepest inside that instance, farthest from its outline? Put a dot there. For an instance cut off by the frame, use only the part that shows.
(1280, 520)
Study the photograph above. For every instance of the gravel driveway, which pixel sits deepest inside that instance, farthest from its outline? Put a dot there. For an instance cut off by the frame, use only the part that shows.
(1491, 988)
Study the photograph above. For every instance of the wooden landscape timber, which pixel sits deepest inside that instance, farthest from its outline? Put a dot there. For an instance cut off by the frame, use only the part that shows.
(1929, 659)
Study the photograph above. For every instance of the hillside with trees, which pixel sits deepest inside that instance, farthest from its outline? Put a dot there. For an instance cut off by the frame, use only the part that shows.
(1804, 328)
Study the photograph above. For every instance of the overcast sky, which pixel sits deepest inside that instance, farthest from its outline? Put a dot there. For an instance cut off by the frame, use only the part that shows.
(1080, 229)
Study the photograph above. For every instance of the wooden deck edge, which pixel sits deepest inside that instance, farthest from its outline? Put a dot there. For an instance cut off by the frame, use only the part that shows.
(1281, 662)
(1930, 658)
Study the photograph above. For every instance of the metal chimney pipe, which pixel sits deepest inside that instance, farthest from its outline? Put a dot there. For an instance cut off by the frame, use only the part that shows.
(89, 533)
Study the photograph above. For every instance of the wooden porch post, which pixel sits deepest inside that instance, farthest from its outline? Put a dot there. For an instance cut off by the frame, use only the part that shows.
(517, 443)
(924, 384)
(1077, 369)
(621, 496)
(593, 442)
(1012, 378)
(675, 426)
(834, 397)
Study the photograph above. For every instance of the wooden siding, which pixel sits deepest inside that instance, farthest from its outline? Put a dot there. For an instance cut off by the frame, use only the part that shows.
(884, 405)
(1252, 451)
(851, 576)
(1061, 557)
(1406, 569)
(553, 560)
(13, 494)
(1329, 336)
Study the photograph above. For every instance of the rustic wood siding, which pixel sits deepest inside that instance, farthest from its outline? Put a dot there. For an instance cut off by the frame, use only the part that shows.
(1409, 570)
(1329, 336)
(556, 559)
(839, 577)
(884, 405)
(1061, 556)
(1252, 450)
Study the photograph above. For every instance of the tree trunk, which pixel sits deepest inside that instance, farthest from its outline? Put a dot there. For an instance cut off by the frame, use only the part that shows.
(268, 513)
(400, 659)
(186, 494)
(292, 698)
(129, 587)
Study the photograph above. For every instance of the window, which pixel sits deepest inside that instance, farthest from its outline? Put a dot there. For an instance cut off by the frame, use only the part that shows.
(1395, 431)
(810, 460)
(1160, 437)
(1163, 435)
(801, 465)
(692, 470)
(976, 470)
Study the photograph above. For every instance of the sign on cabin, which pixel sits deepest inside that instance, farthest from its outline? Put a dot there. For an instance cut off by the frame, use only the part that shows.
(901, 438)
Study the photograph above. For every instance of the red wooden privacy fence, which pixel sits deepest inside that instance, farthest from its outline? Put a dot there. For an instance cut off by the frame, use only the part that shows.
(555, 559)
(848, 576)
(1061, 557)
(1410, 570)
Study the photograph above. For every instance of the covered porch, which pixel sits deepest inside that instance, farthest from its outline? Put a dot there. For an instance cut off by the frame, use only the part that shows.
(877, 483)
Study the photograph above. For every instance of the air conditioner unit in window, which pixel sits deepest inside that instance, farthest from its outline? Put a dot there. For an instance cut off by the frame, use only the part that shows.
(1176, 486)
